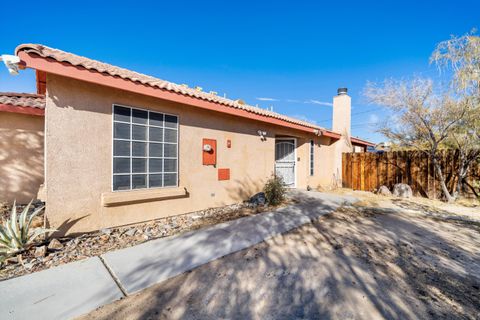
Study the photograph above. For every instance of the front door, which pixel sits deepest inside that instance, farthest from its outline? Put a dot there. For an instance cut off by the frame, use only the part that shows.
(285, 160)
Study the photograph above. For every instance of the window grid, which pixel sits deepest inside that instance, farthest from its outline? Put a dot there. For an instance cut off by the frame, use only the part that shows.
(147, 173)
(312, 157)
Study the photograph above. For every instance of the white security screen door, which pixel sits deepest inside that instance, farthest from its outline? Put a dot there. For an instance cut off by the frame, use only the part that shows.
(285, 161)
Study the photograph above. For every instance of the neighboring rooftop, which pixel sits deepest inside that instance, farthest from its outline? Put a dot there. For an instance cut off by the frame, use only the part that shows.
(22, 100)
(362, 142)
(25, 103)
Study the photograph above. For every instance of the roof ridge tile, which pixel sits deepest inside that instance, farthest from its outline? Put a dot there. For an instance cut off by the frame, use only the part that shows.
(16, 99)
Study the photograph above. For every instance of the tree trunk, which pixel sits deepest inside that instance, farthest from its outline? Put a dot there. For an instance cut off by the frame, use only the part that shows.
(461, 174)
(465, 161)
(472, 188)
(445, 191)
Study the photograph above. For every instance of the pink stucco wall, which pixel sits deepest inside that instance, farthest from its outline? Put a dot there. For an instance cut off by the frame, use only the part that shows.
(21, 156)
(79, 157)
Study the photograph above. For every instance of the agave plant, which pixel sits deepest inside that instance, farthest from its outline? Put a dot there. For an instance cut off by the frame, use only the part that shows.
(16, 234)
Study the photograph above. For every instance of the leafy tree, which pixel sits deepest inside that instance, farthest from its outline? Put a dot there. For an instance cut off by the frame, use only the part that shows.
(461, 56)
(465, 138)
(423, 119)
(428, 118)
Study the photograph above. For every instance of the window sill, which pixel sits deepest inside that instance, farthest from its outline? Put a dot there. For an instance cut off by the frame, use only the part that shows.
(110, 199)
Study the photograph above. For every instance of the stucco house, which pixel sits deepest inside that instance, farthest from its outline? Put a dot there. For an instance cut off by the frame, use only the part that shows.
(105, 146)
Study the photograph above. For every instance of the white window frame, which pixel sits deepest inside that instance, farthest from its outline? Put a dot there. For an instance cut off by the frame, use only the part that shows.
(312, 158)
(147, 141)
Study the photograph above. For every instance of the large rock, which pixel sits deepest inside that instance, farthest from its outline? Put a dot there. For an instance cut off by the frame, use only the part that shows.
(40, 252)
(106, 231)
(258, 199)
(384, 191)
(402, 190)
(55, 245)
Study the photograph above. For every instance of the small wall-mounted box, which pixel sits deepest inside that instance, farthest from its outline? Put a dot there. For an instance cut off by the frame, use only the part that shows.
(209, 152)
(224, 174)
(229, 143)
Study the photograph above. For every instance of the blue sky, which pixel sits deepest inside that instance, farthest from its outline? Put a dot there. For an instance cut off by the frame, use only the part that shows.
(295, 53)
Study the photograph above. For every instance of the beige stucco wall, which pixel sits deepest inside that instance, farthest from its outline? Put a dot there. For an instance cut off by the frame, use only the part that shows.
(21, 156)
(79, 157)
(341, 123)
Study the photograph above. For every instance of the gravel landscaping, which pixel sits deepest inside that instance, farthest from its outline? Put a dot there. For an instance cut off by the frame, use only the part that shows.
(63, 250)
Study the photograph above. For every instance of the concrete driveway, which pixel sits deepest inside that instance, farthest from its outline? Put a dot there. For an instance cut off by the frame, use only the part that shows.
(357, 263)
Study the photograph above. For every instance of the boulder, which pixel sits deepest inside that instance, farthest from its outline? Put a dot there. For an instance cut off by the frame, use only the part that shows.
(384, 191)
(258, 199)
(106, 231)
(55, 245)
(28, 265)
(130, 232)
(402, 190)
(37, 222)
(40, 252)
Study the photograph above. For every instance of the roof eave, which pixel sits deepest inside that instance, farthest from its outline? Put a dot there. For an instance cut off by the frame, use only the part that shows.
(331, 134)
(362, 143)
(23, 110)
(49, 65)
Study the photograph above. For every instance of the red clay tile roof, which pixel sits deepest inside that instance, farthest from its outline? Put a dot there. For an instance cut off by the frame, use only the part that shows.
(23, 99)
(89, 64)
(114, 71)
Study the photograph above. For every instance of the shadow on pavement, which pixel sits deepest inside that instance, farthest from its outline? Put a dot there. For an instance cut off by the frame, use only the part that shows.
(343, 265)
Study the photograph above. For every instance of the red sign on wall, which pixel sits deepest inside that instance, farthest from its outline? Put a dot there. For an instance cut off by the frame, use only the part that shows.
(224, 174)
(209, 151)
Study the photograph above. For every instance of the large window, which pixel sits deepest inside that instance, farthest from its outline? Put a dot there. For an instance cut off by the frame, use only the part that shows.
(312, 157)
(145, 149)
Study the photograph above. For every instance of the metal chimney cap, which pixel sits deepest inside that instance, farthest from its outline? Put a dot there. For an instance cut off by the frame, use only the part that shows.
(342, 91)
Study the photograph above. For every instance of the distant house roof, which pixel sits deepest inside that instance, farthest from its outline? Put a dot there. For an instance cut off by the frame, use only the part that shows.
(71, 65)
(26, 103)
(361, 142)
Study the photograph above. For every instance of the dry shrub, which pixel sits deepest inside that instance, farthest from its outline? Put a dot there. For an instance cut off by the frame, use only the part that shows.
(274, 190)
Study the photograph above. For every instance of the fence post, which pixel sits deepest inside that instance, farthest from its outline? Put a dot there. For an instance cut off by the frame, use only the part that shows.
(362, 171)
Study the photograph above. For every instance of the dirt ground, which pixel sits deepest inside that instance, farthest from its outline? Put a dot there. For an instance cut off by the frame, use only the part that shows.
(379, 259)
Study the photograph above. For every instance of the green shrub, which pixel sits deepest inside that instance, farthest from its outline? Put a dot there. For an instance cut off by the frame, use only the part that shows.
(274, 190)
(15, 233)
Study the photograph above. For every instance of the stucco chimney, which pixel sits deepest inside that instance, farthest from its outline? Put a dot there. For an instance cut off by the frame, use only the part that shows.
(342, 105)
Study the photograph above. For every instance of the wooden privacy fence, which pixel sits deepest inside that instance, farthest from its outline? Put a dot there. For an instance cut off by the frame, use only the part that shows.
(369, 171)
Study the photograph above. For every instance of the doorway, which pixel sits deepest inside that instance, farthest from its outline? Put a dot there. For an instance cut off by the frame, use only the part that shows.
(285, 160)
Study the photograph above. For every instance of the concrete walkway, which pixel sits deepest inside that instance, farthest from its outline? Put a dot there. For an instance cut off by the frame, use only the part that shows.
(74, 289)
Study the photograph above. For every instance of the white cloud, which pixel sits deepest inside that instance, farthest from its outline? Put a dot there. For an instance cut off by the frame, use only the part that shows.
(266, 99)
(321, 103)
(310, 101)
(304, 118)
